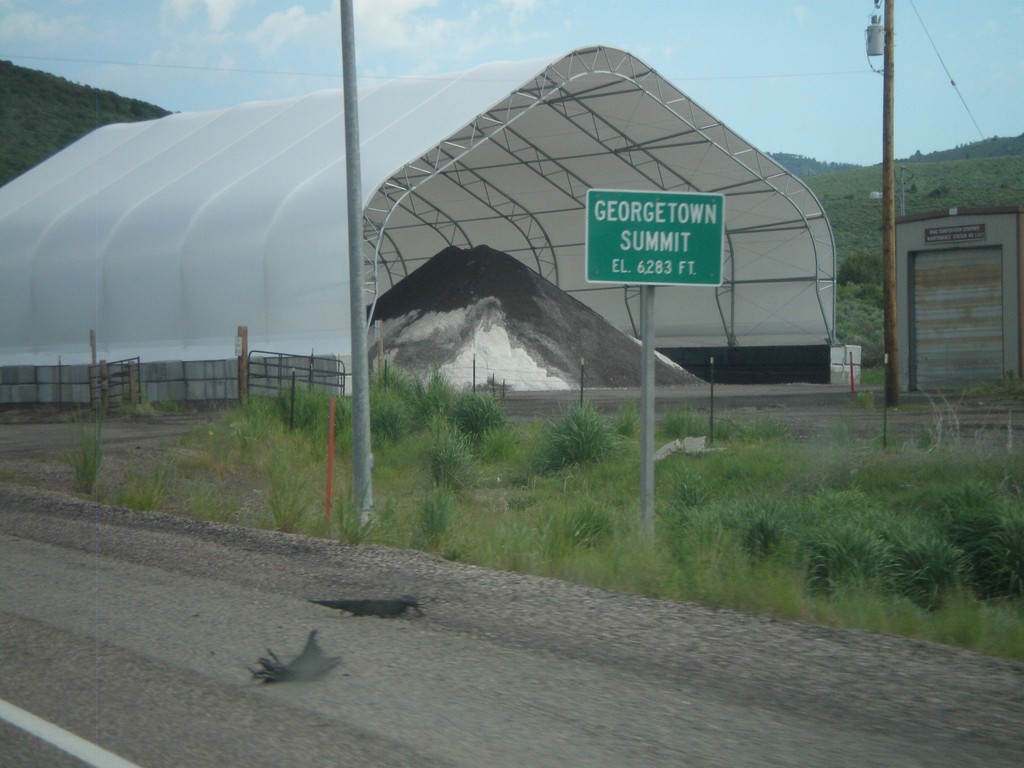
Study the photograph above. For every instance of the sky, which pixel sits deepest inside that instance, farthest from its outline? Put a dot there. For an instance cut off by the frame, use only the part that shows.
(787, 76)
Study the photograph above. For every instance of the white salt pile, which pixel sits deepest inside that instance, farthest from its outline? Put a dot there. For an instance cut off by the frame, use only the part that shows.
(477, 315)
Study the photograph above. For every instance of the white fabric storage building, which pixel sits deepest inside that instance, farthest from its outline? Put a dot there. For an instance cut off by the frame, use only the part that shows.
(164, 236)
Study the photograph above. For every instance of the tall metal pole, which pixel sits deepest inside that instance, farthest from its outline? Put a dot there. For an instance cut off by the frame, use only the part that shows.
(647, 410)
(892, 370)
(362, 460)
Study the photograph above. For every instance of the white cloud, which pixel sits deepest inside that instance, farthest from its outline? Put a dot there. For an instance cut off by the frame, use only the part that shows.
(28, 25)
(399, 24)
(520, 9)
(440, 35)
(289, 27)
(219, 12)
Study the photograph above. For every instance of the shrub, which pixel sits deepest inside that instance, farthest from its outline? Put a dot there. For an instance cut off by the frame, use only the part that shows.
(147, 493)
(349, 523)
(1006, 557)
(288, 494)
(309, 411)
(926, 568)
(859, 320)
(452, 465)
(86, 458)
(254, 424)
(389, 416)
(474, 414)
(627, 420)
(589, 524)
(762, 430)
(974, 519)
(498, 445)
(846, 555)
(392, 378)
(688, 492)
(433, 519)
(204, 501)
(435, 398)
(678, 423)
(761, 530)
(580, 436)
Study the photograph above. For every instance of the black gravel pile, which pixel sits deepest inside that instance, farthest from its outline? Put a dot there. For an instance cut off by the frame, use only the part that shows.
(459, 291)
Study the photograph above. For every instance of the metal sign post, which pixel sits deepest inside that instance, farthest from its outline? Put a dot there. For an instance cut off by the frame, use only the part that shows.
(649, 239)
(647, 410)
(362, 460)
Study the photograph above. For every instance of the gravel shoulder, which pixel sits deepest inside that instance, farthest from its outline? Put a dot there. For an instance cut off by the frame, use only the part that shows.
(777, 685)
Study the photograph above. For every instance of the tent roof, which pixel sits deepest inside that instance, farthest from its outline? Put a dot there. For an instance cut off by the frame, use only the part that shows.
(165, 235)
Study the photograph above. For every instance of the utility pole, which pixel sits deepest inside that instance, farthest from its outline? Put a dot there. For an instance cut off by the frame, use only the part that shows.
(362, 460)
(892, 368)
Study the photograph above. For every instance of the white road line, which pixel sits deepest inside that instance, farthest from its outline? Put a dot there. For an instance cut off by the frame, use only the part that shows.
(66, 741)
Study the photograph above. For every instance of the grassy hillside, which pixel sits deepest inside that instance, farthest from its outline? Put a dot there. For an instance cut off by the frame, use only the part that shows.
(40, 114)
(932, 186)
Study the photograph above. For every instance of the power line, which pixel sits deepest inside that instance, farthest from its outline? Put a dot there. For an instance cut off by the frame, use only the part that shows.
(337, 75)
(943, 63)
(193, 67)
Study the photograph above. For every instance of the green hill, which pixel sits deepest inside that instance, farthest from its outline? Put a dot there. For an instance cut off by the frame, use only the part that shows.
(802, 166)
(40, 114)
(926, 186)
(994, 147)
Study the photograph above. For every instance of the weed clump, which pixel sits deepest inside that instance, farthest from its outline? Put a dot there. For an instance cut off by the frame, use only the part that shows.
(433, 519)
(452, 465)
(389, 416)
(679, 423)
(580, 436)
(475, 414)
(86, 457)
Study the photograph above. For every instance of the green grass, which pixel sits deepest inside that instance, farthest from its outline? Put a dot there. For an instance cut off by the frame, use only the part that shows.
(924, 543)
(678, 423)
(146, 492)
(86, 456)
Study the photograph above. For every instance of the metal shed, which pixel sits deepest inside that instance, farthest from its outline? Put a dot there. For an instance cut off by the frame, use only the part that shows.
(959, 287)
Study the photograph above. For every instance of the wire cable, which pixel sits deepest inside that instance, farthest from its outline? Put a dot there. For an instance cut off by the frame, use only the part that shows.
(442, 77)
(943, 63)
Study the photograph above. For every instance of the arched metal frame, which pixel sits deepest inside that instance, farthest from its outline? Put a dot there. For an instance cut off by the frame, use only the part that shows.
(569, 88)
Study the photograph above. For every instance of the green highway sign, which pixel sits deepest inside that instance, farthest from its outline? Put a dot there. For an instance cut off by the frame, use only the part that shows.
(655, 238)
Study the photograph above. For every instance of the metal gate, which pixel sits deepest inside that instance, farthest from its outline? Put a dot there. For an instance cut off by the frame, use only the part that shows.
(956, 318)
(114, 384)
(269, 372)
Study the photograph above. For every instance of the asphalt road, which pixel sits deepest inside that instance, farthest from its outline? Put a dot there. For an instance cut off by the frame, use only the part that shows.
(135, 630)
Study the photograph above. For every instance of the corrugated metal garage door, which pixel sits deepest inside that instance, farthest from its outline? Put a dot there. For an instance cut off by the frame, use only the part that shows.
(957, 318)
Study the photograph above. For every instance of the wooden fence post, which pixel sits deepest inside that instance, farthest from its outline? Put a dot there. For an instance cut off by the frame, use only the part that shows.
(242, 349)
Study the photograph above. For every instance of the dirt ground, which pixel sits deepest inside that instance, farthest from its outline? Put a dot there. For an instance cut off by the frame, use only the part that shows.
(809, 411)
